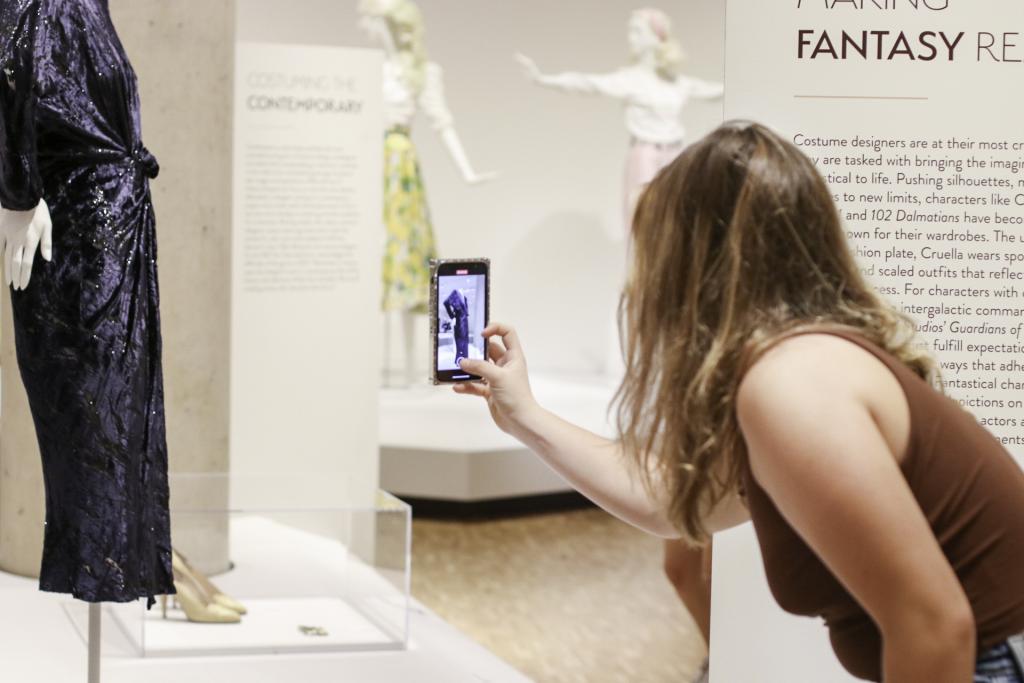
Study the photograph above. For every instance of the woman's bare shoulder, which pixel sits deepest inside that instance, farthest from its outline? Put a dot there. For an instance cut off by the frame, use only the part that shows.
(810, 363)
(813, 379)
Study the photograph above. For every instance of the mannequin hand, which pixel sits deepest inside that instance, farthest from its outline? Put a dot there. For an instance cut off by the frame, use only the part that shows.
(22, 232)
(458, 154)
(529, 67)
(506, 384)
(474, 178)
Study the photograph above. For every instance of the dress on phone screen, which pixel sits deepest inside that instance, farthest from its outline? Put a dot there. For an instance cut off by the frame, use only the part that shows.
(457, 308)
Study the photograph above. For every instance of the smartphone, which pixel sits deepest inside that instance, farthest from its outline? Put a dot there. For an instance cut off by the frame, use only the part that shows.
(460, 302)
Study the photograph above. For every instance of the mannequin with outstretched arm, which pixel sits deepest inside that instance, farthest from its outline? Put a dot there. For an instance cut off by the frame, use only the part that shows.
(653, 91)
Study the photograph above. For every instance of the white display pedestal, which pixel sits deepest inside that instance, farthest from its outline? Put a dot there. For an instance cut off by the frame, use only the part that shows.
(441, 446)
(268, 626)
(40, 644)
(269, 553)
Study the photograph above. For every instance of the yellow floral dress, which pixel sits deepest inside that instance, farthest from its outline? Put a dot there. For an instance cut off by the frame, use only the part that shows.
(409, 246)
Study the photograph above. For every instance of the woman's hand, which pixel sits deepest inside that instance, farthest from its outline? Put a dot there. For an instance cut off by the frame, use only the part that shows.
(506, 385)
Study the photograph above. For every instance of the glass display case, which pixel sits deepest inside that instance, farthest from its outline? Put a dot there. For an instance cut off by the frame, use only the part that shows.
(314, 574)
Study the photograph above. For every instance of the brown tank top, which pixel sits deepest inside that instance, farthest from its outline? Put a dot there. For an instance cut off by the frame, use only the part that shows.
(972, 492)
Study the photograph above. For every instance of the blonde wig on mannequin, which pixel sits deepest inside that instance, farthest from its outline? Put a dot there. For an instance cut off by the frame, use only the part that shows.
(405, 22)
(669, 55)
(736, 244)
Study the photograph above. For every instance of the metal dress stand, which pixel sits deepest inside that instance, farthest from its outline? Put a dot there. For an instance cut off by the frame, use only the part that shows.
(95, 623)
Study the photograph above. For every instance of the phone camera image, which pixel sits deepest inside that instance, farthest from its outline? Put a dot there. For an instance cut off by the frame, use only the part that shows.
(461, 317)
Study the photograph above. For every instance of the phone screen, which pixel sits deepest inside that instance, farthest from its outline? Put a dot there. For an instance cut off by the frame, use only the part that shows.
(461, 318)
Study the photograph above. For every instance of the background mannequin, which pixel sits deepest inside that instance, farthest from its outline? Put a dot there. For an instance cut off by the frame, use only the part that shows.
(411, 83)
(654, 92)
(87, 330)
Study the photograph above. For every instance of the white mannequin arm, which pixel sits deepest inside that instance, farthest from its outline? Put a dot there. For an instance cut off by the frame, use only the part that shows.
(432, 100)
(610, 85)
(705, 90)
(22, 232)
(458, 154)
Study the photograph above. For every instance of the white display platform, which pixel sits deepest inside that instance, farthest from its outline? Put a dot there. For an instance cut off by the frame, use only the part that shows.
(40, 644)
(266, 553)
(752, 639)
(439, 445)
(269, 625)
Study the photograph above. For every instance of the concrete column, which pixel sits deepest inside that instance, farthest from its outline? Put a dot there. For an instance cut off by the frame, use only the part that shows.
(21, 473)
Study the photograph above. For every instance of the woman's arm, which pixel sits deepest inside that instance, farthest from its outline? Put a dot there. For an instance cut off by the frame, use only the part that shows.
(815, 447)
(595, 466)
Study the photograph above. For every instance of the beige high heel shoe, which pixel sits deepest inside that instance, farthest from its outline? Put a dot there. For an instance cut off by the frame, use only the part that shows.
(215, 595)
(197, 607)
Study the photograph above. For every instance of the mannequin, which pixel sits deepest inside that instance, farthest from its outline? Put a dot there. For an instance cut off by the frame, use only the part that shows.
(74, 182)
(655, 94)
(411, 83)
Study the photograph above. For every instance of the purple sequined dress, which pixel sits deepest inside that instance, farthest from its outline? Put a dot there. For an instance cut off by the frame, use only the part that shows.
(87, 328)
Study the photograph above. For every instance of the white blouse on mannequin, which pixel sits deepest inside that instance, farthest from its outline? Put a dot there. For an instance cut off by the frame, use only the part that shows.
(654, 105)
(401, 104)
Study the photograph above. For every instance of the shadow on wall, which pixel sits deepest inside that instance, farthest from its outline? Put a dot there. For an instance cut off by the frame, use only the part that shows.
(567, 274)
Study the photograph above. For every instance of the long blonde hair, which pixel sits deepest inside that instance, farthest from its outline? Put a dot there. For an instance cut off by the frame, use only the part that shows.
(736, 244)
(405, 22)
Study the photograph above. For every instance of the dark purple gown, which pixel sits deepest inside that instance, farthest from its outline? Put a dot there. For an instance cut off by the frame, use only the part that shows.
(87, 328)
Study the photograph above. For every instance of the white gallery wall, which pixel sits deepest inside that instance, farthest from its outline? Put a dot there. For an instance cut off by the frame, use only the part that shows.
(551, 223)
(305, 267)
